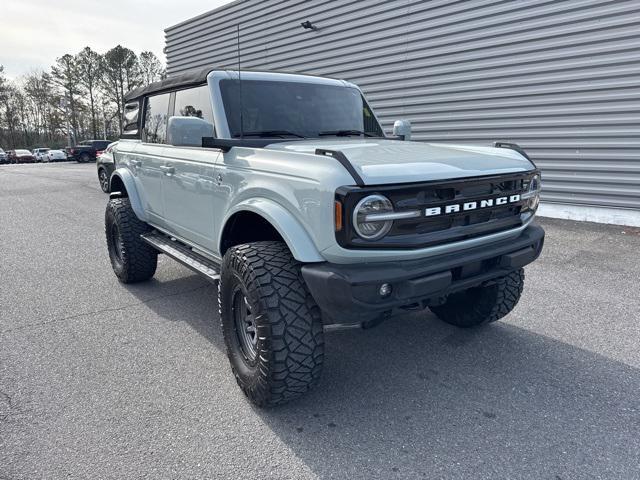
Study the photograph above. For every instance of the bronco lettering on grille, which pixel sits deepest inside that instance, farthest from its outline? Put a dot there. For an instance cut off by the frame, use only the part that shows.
(463, 207)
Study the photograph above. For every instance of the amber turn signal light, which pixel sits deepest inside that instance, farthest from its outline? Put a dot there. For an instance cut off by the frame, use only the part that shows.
(338, 215)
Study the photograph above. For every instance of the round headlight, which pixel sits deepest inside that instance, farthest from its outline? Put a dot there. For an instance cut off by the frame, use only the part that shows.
(366, 224)
(534, 185)
(534, 188)
(533, 193)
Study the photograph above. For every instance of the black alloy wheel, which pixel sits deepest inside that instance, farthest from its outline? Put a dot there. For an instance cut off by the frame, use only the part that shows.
(104, 180)
(245, 325)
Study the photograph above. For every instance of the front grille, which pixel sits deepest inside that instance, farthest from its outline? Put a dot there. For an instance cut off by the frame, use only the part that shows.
(441, 228)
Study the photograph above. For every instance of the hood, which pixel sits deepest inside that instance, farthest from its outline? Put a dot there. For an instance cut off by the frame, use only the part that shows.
(381, 161)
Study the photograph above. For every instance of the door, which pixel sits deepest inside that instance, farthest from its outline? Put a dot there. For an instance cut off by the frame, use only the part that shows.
(188, 176)
(146, 163)
(188, 187)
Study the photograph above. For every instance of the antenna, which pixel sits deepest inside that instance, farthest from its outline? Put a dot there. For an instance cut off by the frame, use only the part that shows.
(240, 87)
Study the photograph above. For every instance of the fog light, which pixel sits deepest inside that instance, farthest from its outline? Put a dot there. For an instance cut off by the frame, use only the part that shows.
(385, 290)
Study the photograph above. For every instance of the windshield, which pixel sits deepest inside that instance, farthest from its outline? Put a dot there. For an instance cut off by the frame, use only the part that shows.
(296, 109)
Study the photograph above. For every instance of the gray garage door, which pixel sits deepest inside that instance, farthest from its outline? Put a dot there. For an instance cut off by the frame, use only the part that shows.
(561, 78)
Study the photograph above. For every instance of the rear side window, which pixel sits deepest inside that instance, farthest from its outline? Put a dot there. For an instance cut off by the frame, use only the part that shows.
(155, 118)
(131, 115)
(194, 102)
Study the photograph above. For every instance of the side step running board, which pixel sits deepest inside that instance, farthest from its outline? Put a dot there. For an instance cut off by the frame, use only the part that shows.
(183, 254)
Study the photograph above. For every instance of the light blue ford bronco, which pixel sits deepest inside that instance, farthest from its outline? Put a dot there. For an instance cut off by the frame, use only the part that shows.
(285, 191)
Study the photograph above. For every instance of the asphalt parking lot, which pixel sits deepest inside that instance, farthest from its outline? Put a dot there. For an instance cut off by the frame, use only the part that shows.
(102, 380)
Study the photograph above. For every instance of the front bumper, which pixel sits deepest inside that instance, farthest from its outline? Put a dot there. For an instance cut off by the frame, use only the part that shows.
(350, 293)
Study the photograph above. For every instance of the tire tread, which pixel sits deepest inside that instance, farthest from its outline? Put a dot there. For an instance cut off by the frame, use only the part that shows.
(494, 302)
(140, 259)
(290, 361)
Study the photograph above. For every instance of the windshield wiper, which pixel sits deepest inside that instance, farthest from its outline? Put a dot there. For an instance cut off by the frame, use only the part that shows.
(270, 133)
(344, 133)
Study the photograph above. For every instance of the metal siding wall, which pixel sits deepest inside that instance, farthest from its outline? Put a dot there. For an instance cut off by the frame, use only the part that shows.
(558, 77)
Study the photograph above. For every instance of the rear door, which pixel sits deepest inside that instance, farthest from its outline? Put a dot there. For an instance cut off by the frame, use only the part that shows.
(148, 157)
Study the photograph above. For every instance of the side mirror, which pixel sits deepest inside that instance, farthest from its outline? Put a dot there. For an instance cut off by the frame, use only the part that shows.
(402, 129)
(188, 131)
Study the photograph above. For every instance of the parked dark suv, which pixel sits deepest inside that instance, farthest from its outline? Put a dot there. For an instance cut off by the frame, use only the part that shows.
(87, 151)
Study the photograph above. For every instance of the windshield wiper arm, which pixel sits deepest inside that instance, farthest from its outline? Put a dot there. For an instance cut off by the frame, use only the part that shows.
(270, 133)
(344, 133)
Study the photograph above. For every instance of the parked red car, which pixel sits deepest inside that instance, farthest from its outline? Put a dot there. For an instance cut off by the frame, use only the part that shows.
(21, 156)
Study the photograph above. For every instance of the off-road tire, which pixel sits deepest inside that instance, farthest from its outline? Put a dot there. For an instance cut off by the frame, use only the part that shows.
(131, 258)
(103, 179)
(484, 304)
(288, 325)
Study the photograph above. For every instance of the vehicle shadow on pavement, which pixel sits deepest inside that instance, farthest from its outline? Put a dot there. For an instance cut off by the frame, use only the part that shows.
(415, 398)
(187, 298)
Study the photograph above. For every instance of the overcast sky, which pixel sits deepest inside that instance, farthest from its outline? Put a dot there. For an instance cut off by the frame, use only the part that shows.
(33, 33)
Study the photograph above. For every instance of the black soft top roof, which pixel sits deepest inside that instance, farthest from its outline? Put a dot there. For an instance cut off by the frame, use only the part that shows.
(190, 78)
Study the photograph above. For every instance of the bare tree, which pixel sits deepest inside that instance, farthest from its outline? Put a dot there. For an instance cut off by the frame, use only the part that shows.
(38, 90)
(3, 101)
(12, 127)
(7, 116)
(121, 74)
(151, 70)
(90, 74)
(66, 74)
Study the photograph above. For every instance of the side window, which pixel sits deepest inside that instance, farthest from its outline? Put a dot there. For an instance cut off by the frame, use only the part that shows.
(131, 114)
(370, 123)
(155, 118)
(194, 102)
(192, 118)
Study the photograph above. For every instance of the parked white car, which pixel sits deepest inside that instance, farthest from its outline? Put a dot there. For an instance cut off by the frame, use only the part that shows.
(56, 156)
(41, 154)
